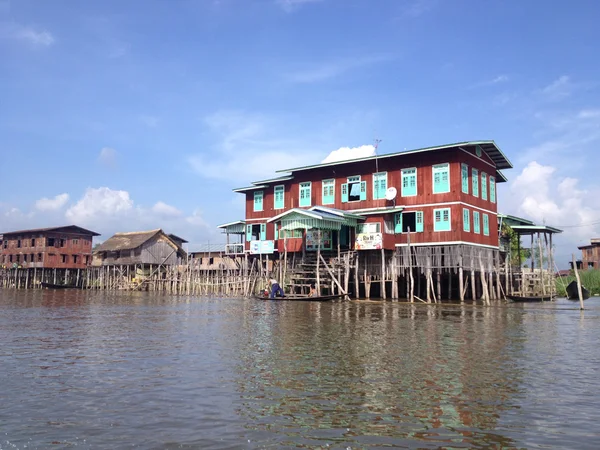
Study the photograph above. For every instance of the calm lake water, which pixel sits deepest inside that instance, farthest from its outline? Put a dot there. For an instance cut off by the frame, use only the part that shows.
(104, 371)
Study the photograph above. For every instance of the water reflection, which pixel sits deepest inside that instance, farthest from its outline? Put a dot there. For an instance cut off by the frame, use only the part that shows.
(108, 370)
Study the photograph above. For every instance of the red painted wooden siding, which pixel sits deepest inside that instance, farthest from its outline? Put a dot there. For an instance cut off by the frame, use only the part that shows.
(423, 201)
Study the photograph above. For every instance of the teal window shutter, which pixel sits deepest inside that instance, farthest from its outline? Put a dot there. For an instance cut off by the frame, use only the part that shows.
(464, 175)
(409, 182)
(328, 192)
(279, 196)
(419, 225)
(475, 180)
(263, 231)
(276, 231)
(492, 189)
(486, 225)
(441, 178)
(441, 219)
(258, 200)
(476, 224)
(379, 185)
(398, 223)
(248, 233)
(305, 194)
(466, 220)
(363, 190)
(483, 186)
(345, 193)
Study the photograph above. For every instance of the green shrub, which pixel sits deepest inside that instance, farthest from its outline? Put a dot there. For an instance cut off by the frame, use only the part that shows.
(589, 278)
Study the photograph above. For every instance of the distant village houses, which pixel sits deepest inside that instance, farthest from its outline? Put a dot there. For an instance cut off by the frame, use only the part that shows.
(66, 247)
(590, 255)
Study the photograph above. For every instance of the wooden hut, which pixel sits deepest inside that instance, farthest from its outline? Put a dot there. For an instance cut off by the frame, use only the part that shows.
(140, 248)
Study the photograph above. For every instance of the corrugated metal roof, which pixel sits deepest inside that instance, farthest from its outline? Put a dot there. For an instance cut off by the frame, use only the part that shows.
(73, 229)
(489, 147)
(249, 188)
(274, 180)
(531, 229)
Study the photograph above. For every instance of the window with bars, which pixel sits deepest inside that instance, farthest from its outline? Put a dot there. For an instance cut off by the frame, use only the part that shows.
(483, 186)
(475, 182)
(409, 182)
(476, 223)
(258, 200)
(305, 193)
(328, 194)
(441, 219)
(466, 220)
(464, 176)
(279, 192)
(379, 185)
(441, 178)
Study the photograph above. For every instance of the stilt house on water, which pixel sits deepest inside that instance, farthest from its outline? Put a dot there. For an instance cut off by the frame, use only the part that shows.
(67, 247)
(416, 223)
(140, 248)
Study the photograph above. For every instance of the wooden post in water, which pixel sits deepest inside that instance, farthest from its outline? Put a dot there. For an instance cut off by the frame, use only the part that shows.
(461, 281)
(318, 240)
(382, 284)
(579, 291)
(411, 281)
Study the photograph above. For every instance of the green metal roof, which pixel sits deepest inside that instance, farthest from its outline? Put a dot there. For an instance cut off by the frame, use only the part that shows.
(515, 220)
(249, 188)
(532, 229)
(370, 212)
(274, 180)
(489, 147)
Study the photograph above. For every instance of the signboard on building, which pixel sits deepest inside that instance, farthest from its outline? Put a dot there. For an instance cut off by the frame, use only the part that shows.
(262, 247)
(369, 241)
(312, 238)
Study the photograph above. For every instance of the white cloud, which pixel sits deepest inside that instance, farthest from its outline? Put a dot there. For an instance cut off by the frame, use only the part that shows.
(344, 153)
(543, 195)
(248, 148)
(293, 5)
(332, 69)
(496, 80)
(149, 121)
(98, 203)
(30, 35)
(418, 8)
(558, 89)
(52, 204)
(108, 157)
(164, 210)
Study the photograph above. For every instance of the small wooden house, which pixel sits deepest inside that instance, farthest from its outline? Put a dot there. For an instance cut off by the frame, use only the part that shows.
(140, 248)
(590, 254)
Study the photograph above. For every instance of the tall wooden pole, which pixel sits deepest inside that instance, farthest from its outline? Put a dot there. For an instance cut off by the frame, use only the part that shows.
(579, 291)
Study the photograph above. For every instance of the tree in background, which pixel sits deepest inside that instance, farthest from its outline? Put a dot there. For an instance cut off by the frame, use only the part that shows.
(511, 239)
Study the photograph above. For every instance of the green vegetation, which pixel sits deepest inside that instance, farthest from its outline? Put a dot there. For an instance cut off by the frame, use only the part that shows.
(509, 234)
(589, 278)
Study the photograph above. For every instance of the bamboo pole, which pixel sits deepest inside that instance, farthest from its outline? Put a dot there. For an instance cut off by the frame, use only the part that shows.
(382, 282)
(410, 269)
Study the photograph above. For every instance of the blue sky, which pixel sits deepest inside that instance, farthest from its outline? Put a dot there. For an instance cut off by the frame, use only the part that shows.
(127, 115)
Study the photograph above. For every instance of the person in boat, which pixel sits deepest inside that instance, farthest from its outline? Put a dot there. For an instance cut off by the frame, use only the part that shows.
(276, 290)
(313, 291)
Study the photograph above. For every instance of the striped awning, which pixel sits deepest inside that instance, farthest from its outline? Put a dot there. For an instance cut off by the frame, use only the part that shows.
(297, 219)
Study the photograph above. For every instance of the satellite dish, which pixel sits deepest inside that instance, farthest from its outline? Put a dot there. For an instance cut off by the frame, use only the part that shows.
(390, 194)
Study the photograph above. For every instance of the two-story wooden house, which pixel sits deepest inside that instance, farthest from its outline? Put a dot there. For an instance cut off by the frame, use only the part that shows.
(68, 247)
(432, 196)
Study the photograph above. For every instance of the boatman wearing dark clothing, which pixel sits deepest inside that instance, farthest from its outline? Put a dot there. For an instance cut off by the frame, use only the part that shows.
(275, 288)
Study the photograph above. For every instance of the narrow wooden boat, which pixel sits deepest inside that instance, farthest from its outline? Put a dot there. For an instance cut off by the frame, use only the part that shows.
(57, 286)
(322, 298)
(524, 299)
(572, 293)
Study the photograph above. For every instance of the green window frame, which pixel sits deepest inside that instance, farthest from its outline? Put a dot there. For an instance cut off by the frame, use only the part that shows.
(492, 189)
(441, 219)
(379, 185)
(328, 192)
(475, 182)
(354, 190)
(305, 194)
(483, 186)
(486, 225)
(279, 194)
(409, 182)
(263, 231)
(419, 221)
(441, 178)
(398, 223)
(464, 176)
(466, 220)
(258, 200)
(476, 222)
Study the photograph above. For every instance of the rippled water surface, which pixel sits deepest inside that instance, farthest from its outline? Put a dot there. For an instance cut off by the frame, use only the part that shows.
(103, 371)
